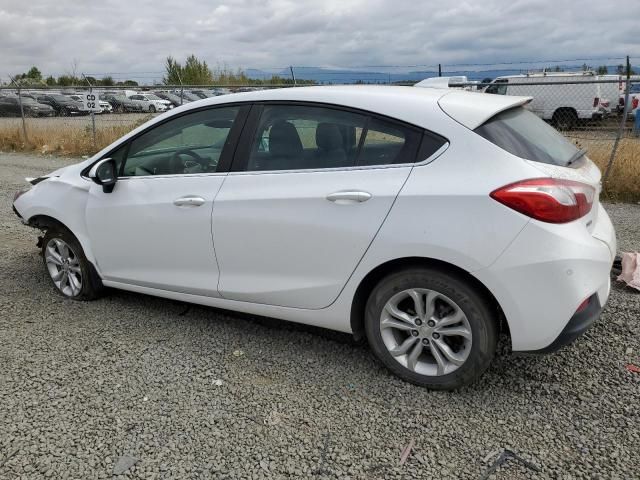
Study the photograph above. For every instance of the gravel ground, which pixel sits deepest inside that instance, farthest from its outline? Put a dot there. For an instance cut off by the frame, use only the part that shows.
(197, 392)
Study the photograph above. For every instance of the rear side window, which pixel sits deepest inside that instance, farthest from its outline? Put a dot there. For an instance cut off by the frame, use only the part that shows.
(386, 143)
(298, 137)
(524, 134)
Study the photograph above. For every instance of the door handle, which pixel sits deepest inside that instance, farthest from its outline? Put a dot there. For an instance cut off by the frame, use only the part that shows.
(189, 201)
(348, 196)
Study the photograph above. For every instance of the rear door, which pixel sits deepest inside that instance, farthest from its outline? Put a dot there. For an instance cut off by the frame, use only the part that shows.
(311, 186)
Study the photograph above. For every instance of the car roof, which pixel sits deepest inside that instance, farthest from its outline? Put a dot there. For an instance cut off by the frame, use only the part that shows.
(418, 106)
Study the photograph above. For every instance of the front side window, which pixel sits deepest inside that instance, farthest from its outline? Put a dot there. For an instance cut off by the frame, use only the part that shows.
(299, 137)
(191, 143)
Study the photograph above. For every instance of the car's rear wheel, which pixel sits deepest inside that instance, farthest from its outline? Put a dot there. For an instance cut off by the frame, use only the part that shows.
(70, 271)
(431, 327)
(152, 109)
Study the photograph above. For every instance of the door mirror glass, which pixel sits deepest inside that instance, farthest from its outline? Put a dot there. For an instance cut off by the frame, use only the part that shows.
(104, 173)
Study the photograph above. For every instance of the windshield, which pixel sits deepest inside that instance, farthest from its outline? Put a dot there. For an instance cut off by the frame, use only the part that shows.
(524, 134)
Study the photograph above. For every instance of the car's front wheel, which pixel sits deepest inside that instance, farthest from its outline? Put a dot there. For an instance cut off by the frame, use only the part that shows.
(70, 271)
(431, 327)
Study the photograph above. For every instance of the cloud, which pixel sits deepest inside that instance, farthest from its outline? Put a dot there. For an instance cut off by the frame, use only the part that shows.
(124, 36)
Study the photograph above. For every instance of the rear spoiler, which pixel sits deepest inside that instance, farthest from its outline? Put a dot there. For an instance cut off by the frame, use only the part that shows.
(472, 109)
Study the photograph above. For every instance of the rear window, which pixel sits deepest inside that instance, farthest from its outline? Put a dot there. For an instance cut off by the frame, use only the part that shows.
(524, 134)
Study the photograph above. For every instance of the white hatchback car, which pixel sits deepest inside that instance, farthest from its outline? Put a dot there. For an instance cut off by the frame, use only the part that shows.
(150, 102)
(424, 219)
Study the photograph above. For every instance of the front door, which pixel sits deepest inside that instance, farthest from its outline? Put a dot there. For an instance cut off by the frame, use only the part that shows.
(315, 185)
(154, 229)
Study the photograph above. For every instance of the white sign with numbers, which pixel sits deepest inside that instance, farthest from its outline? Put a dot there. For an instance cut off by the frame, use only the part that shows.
(90, 102)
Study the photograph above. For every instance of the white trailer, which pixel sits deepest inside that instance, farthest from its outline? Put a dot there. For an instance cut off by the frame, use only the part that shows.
(555, 98)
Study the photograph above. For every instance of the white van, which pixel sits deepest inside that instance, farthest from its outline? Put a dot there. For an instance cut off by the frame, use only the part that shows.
(563, 104)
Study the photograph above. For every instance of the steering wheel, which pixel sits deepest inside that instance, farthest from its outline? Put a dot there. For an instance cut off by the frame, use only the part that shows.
(178, 165)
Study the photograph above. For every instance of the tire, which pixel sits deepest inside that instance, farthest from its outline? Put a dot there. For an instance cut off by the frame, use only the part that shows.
(152, 109)
(565, 119)
(456, 304)
(64, 112)
(82, 281)
(119, 109)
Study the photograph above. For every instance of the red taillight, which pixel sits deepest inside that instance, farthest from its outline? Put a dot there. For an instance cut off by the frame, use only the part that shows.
(596, 101)
(547, 199)
(634, 103)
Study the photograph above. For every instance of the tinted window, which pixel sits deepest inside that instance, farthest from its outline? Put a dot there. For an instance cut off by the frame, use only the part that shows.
(522, 133)
(308, 137)
(190, 143)
(386, 143)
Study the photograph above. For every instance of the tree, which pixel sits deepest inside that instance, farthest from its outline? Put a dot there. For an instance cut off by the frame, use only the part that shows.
(34, 74)
(107, 81)
(602, 70)
(50, 81)
(194, 72)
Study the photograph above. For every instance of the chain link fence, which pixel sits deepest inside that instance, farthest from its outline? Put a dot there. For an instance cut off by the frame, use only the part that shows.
(597, 113)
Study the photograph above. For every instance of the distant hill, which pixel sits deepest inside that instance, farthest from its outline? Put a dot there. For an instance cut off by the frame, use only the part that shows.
(328, 75)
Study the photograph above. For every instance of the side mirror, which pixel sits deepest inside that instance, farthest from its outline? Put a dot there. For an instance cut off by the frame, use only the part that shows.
(104, 173)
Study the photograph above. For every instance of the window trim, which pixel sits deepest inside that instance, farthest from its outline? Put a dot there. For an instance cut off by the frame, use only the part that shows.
(241, 156)
(226, 156)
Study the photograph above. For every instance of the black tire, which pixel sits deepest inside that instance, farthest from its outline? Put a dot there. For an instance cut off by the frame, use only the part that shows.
(119, 109)
(64, 112)
(565, 119)
(476, 308)
(91, 284)
(152, 109)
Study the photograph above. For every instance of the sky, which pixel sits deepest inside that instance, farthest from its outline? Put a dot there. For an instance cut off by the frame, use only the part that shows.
(131, 36)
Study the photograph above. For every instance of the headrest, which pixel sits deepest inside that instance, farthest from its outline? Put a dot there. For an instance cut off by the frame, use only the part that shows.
(328, 136)
(284, 140)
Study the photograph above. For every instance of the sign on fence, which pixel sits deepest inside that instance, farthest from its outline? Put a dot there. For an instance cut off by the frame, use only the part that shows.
(90, 102)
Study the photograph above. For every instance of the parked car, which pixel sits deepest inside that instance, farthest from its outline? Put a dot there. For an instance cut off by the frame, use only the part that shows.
(459, 81)
(63, 105)
(171, 97)
(189, 96)
(562, 104)
(10, 107)
(120, 103)
(150, 102)
(105, 107)
(422, 219)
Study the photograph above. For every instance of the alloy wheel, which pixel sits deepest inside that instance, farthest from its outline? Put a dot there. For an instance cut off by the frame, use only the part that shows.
(63, 265)
(426, 332)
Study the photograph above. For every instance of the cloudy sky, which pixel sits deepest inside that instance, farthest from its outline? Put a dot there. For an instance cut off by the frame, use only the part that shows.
(136, 36)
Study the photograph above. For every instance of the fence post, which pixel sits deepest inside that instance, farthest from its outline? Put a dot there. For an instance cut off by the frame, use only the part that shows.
(293, 75)
(93, 116)
(439, 70)
(24, 122)
(181, 87)
(621, 128)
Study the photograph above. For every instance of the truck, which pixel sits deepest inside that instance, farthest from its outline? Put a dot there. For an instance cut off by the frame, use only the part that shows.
(562, 98)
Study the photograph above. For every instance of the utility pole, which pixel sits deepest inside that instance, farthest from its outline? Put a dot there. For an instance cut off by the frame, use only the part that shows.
(439, 70)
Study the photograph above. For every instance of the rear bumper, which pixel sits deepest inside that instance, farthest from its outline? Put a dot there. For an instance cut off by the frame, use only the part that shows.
(543, 277)
(577, 325)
